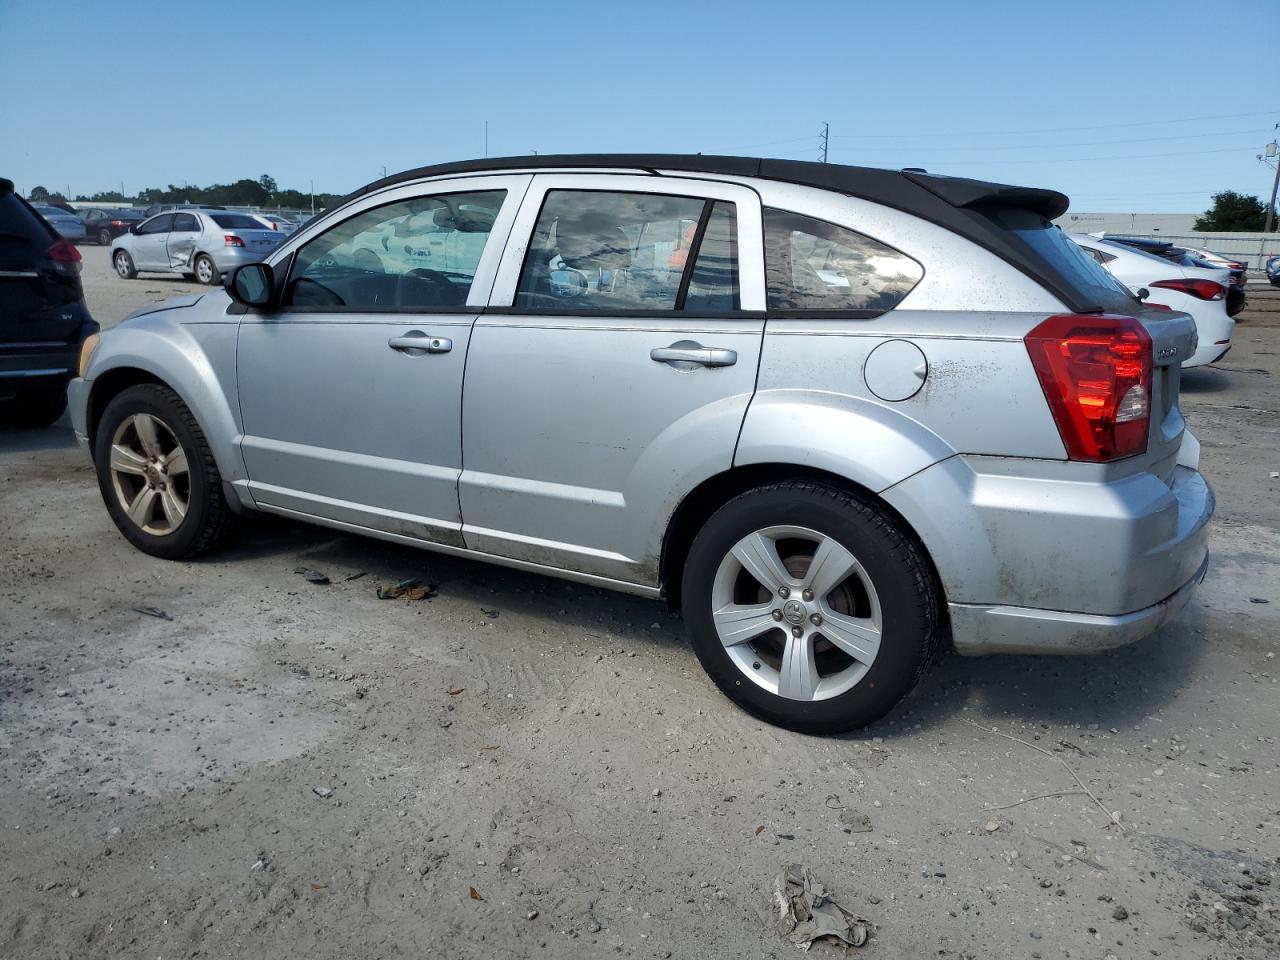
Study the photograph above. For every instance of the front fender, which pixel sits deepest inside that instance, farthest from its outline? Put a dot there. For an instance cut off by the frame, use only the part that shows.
(868, 443)
(197, 361)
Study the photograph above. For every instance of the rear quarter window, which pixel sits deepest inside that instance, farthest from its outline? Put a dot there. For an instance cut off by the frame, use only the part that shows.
(813, 266)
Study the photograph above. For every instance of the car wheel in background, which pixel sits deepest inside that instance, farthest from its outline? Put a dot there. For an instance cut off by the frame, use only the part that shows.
(124, 264)
(206, 272)
(157, 475)
(35, 406)
(809, 606)
(104, 238)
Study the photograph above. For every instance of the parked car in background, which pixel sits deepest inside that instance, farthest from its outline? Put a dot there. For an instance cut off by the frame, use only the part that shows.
(1187, 257)
(839, 416)
(43, 317)
(1273, 271)
(274, 222)
(199, 243)
(1199, 291)
(155, 208)
(66, 224)
(105, 225)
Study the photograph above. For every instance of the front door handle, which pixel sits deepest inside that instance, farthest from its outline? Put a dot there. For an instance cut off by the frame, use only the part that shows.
(416, 343)
(689, 353)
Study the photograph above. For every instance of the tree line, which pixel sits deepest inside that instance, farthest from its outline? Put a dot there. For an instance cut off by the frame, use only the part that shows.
(263, 192)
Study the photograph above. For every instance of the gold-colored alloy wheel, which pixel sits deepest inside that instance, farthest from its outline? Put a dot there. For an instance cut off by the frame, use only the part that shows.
(149, 474)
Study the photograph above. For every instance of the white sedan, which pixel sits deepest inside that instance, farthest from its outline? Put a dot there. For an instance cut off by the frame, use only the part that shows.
(1200, 292)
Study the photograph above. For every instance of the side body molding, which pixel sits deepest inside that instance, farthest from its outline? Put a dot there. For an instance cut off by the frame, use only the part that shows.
(851, 437)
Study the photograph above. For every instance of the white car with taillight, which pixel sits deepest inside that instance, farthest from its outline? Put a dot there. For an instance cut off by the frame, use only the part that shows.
(1199, 292)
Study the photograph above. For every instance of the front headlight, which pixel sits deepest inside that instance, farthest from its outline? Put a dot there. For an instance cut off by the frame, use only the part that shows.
(86, 351)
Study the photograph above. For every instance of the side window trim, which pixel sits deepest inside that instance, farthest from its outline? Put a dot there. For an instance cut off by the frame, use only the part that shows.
(749, 237)
(691, 259)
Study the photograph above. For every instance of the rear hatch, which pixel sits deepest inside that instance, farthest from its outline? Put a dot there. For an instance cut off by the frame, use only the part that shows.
(1091, 285)
(37, 293)
(256, 237)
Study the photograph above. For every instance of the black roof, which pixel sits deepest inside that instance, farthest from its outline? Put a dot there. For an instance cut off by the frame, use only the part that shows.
(961, 205)
(896, 188)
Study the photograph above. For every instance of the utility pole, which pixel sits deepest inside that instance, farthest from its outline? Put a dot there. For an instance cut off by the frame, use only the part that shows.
(313, 198)
(486, 138)
(1271, 150)
(826, 138)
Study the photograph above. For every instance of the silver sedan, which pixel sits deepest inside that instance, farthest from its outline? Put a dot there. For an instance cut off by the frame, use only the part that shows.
(200, 243)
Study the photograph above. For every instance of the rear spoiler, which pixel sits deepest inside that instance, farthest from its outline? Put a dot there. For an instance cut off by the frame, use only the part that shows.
(962, 192)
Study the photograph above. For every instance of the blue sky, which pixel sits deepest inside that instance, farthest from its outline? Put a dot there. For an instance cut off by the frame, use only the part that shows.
(1128, 106)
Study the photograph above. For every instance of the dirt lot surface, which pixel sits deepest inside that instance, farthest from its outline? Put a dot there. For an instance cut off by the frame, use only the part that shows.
(524, 768)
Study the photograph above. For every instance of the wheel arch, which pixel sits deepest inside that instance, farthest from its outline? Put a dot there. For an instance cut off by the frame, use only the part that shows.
(709, 496)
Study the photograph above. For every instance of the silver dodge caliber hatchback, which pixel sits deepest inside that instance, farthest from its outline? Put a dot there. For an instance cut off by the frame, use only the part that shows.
(840, 417)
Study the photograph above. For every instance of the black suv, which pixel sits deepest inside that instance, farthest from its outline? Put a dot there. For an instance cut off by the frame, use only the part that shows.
(43, 317)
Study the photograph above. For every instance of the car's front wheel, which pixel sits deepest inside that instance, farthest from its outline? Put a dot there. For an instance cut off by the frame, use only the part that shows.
(124, 264)
(157, 475)
(809, 606)
(206, 270)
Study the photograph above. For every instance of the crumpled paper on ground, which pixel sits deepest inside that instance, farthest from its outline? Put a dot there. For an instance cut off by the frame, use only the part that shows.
(807, 913)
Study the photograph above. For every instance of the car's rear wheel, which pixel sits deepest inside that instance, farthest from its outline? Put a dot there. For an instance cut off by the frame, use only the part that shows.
(35, 406)
(206, 271)
(809, 606)
(104, 237)
(157, 475)
(124, 264)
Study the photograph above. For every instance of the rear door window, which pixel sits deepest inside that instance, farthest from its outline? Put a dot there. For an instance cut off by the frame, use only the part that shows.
(814, 266)
(601, 251)
(185, 223)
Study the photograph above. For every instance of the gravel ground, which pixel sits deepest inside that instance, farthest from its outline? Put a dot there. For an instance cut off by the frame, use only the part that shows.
(519, 767)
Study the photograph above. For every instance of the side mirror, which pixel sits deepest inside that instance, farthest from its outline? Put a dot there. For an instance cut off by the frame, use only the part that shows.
(133, 228)
(1143, 293)
(253, 285)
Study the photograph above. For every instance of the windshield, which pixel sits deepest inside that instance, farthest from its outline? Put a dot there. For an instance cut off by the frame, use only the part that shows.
(236, 221)
(1088, 278)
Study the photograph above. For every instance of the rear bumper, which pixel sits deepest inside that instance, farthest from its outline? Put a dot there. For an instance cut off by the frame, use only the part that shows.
(981, 630)
(25, 365)
(1032, 562)
(228, 258)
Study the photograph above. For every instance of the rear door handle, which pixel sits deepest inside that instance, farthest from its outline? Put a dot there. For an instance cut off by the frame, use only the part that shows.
(690, 353)
(415, 343)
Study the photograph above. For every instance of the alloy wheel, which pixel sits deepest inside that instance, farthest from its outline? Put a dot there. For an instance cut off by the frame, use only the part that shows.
(204, 270)
(797, 613)
(149, 474)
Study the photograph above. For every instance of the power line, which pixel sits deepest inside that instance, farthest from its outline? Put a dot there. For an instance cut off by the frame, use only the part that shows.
(1101, 126)
(1127, 156)
(1089, 143)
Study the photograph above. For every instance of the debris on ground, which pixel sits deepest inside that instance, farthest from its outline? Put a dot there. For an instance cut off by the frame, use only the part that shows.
(152, 612)
(411, 589)
(474, 894)
(491, 614)
(322, 792)
(312, 576)
(807, 913)
(1258, 600)
(854, 822)
(992, 825)
(355, 576)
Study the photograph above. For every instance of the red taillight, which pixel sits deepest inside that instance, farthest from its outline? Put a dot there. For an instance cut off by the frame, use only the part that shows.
(231, 240)
(1200, 289)
(117, 223)
(1096, 374)
(65, 256)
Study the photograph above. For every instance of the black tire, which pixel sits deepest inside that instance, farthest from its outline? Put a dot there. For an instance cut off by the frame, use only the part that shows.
(123, 264)
(895, 564)
(208, 516)
(204, 264)
(104, 237)
(35, 407)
